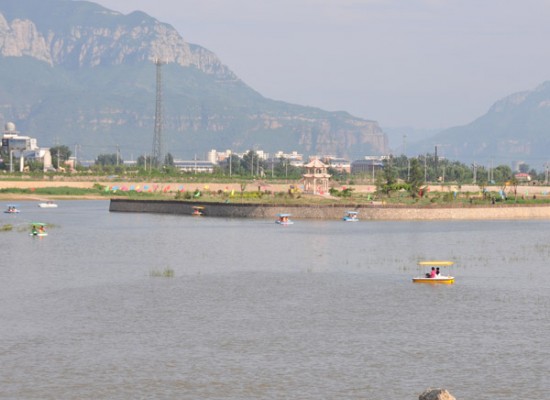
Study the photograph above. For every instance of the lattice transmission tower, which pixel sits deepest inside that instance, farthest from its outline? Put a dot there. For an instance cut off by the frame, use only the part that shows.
(158, 151)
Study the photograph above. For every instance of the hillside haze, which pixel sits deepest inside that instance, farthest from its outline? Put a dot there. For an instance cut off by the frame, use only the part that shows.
(515, 129)
(76, 73)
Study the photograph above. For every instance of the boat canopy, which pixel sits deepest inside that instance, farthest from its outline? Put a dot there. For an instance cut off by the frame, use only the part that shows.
(284, 215)
(435, 263)
(352, 212)
(38, 224)
(198, 207)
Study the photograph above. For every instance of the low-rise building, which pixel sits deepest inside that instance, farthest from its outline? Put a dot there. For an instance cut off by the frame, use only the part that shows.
(367, 166)
(23, 147)
(337, 163)
(196, 166)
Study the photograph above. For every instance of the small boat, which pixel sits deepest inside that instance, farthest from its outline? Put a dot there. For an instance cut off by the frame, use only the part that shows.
(428, 277)
(284, 219)
(351, 216)
(38, 229)
(12, 209)
(198, 211)
(47, 204)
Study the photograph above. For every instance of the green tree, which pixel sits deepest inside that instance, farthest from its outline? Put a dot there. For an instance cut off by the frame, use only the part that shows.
(282, 167)
(482, 182)
(252, 164)
(502, 173)
(60, 154)
(108, 159)
(144, 161)
(390, 171)
(514, 183)
(523, 168)
(386, 181)
(401, 165)
(416, 177)
(169, 160)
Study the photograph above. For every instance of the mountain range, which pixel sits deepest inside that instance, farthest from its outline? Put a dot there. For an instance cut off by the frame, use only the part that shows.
(76, 73)
(515, 129)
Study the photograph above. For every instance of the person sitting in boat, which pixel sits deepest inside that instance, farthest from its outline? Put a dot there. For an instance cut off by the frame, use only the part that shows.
(34, 231)
(437, 271)
(431, 274)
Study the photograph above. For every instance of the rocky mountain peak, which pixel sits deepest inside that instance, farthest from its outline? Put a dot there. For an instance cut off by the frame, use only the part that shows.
(21, 38)
(120, 39)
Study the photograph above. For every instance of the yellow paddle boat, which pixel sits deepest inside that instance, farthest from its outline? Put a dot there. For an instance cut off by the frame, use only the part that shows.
(432, 274)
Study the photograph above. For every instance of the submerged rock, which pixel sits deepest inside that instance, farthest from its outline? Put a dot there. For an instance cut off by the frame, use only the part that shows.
(436, 394)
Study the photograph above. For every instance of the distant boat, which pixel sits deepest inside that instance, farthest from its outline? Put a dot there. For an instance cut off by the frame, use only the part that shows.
(351, 216)
(198, 211)
(12, 209)
(428, 277)
(38, 229)
(47, 204)
(284, 219)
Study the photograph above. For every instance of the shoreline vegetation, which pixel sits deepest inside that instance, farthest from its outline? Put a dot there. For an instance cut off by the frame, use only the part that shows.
(435, 197)
(438, 202)
(266, 191)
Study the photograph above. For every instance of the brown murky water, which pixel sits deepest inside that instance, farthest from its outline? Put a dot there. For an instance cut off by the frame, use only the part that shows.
(260, 311)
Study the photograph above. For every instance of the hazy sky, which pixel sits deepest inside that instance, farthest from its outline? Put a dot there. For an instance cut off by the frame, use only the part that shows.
(417, 63)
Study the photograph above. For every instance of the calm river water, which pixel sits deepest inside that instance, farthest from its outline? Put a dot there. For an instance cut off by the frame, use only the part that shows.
(316, 310)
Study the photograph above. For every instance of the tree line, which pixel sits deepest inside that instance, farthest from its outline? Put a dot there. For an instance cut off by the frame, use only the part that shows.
(396, 172)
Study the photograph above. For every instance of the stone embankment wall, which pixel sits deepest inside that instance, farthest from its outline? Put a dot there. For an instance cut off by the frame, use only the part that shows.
(366, 212)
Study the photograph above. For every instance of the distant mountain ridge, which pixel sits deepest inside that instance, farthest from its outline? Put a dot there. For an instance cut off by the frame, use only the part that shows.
(73, 72)
(515, 129)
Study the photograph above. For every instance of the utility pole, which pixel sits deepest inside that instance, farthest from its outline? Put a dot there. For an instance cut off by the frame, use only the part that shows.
(158, 155)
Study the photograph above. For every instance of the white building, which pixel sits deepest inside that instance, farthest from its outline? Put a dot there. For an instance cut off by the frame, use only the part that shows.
(24, 147)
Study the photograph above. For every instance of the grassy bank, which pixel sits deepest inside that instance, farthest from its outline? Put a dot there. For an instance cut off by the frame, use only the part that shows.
(282, 194)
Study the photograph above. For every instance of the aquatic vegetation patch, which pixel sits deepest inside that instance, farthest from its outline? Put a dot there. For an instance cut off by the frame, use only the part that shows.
(164, 273)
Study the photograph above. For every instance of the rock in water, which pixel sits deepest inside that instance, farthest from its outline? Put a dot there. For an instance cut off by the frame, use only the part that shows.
(436, 394)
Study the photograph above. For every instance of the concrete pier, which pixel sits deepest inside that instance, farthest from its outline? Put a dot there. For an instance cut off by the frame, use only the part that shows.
(366, 212)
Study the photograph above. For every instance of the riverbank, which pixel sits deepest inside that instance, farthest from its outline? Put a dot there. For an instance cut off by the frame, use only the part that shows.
(334, 211)
(307, 207)
(173, 187)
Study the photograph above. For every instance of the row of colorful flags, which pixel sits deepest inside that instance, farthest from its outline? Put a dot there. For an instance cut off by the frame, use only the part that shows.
(144, 188)
(156, 188)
